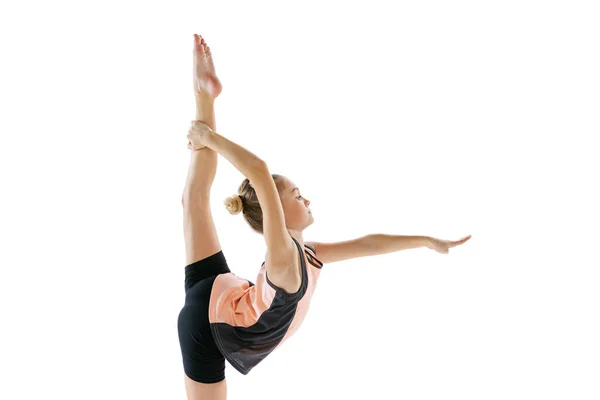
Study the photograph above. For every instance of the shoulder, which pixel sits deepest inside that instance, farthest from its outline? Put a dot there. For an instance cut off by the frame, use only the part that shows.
(312, 246)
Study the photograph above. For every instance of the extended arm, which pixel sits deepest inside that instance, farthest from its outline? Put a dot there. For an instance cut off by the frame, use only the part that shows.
(382, 243)
(379, 243)
(364, 246)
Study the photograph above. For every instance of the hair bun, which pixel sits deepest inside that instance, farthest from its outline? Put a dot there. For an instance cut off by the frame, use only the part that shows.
(234, 204)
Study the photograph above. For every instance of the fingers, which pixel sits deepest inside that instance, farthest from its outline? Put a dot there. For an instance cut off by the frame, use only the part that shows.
(200, 126)
(461, 241)
(197, 134)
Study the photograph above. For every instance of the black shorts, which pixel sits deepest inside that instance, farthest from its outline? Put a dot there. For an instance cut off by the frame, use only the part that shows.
(202, 360)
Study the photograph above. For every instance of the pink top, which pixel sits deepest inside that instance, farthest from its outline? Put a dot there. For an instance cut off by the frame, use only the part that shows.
(248, 321)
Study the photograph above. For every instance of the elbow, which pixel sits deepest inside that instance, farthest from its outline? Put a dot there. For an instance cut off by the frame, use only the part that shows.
(260, 164)
(258, 171)
(261, 167)
(371, 244)
(369, 240)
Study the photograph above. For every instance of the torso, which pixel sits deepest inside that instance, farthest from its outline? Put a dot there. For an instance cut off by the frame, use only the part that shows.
(296, 280)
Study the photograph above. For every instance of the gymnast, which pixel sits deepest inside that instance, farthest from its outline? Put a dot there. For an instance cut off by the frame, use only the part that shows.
(226, 317)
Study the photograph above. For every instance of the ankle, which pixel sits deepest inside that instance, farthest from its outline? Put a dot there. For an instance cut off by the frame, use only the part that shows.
(204, 97)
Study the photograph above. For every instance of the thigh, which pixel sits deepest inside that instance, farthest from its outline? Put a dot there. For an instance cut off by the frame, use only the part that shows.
(202, 360)
(199, 229)
(205, 391)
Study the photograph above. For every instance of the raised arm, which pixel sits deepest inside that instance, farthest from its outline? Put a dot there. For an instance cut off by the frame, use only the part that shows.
(281, 249)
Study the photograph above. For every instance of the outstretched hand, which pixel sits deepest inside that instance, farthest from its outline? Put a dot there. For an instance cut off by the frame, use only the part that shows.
(442, 246)
(198, 135)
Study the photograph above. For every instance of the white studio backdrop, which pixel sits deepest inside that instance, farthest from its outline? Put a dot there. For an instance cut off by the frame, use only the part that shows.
(411, 118)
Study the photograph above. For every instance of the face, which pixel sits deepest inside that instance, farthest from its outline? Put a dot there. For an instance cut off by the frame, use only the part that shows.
(295, 207)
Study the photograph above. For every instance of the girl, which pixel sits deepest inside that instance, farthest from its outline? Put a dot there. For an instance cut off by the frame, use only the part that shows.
(226, 317)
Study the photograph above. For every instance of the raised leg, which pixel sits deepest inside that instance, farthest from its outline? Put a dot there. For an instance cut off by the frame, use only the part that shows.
(203, 164)
(201, 238)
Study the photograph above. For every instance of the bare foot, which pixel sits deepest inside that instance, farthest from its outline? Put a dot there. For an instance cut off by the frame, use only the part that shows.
(205, 77)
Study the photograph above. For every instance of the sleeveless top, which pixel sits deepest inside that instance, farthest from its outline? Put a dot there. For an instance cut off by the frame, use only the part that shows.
(248, 321)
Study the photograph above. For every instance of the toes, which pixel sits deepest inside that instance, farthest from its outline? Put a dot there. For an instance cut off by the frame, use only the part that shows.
(197, 45)
(200, 44)
(201, 48)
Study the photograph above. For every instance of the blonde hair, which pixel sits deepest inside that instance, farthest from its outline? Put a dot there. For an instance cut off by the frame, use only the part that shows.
(246, 201)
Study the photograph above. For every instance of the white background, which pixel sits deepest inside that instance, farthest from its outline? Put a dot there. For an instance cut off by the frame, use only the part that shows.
(412, 118)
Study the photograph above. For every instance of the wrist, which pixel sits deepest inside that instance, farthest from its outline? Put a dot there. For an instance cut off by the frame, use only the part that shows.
(428, 241)
(210, 139)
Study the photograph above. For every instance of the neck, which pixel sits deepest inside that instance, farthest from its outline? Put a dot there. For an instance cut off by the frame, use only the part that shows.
(297, 235)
